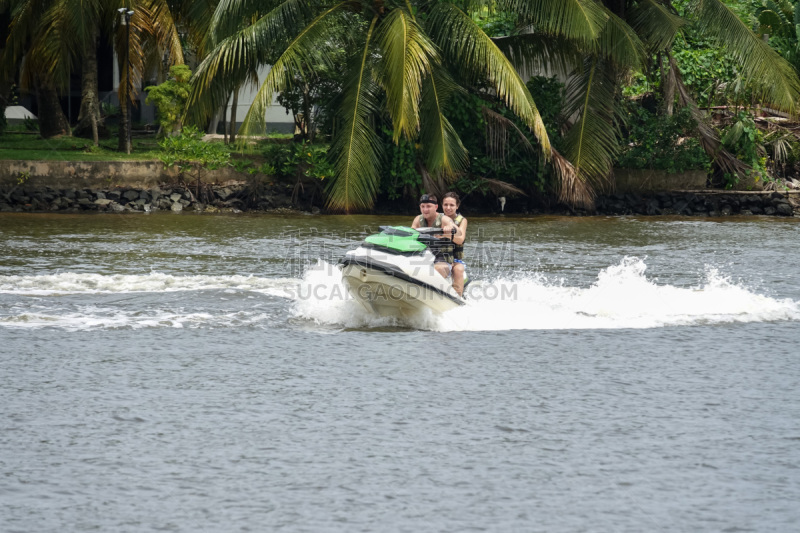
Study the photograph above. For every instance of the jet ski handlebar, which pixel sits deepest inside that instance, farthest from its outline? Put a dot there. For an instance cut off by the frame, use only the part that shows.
(436, 231)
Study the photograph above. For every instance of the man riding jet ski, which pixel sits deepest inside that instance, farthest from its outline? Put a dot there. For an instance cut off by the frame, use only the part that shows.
(393, 273)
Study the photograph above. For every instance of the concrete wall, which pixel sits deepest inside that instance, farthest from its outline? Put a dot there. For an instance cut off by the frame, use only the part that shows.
(98, 174)
(658, 180)
(641, 181)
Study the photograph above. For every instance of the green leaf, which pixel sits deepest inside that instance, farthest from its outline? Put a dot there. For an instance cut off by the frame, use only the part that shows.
(357, 148)
(772, 77)
(407, 58)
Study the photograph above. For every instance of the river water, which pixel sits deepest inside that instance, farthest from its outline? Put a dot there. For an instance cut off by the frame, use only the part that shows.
(209, 373)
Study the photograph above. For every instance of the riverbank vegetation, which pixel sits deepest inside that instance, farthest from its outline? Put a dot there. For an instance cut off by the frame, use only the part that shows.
(541, 98)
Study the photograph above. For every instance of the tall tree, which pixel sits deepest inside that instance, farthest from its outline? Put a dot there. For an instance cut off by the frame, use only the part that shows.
(56, 37)
(406, 54)
(401, 56)
(27, 39)
(616, 37)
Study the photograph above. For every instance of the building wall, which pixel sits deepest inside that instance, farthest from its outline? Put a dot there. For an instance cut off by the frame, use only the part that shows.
(276, 116)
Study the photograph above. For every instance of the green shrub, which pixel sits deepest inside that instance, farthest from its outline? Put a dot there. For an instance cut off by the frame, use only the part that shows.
(298, 159)
(513, 161)
(746, 142)
(661, 142)
(187, 150)
(518, 165)
(399, 172)
(170, 98)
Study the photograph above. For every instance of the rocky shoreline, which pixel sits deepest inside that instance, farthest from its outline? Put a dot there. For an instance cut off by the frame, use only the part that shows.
(208, 198)
(701, 203)
(239, 197)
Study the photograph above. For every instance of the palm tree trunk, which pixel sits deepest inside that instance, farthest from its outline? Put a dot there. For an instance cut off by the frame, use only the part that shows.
(122, 145)
(234, 105)
(5, 98)
(309, 128)
(124, 94)
(225, 125)
(89, 115)
(52, 121)
(669, 84)
(212, 127)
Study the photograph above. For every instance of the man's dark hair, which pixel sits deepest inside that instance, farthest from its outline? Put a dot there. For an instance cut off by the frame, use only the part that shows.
(428, 199)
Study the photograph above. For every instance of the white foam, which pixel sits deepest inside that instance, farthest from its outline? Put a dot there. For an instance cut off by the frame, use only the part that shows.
(622, 297)
(165, 307)
(322, 297)
(76, 283)
(94, 318)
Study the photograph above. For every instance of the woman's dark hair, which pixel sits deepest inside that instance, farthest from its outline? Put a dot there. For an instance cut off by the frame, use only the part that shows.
(452, 195)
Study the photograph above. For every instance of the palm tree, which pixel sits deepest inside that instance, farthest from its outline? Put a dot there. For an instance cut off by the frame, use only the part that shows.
(56, 37)
(25, 40)
(402, 54)
(601, 43)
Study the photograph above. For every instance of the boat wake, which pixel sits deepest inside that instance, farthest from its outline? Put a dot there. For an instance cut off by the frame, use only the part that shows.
(78, 283)
(621, 297)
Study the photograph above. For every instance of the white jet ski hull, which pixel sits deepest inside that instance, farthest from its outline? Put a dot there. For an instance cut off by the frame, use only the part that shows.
(390, 284)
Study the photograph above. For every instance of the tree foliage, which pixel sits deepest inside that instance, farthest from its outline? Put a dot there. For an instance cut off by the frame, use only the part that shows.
(403, 60)
(170, 98)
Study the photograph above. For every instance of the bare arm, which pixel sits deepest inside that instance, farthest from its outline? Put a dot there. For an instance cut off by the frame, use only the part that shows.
(459, 237)
(448, 226)
(415, 224)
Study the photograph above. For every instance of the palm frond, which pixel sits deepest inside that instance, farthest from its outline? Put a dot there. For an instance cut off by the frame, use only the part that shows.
(771, 76)
(655, 24)
(779, 145)
(357, 148)
(620, 44)
(529, 51)
(25, 23)
(229, 16)
(572, 190)
(481, 56)
(501, 188)
(59, 41)
(441, 147)
(591, 143)
(709, 139)
(497, 135)
(164, 29)
(236, 57)
(407, 58)
(430, 184)
(580, 21)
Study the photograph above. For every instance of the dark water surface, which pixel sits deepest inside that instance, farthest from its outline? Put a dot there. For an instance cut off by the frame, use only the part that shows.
(199, 373)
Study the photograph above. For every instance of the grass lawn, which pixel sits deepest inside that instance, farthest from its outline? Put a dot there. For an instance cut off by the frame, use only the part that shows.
(20, 145)
(29, 146)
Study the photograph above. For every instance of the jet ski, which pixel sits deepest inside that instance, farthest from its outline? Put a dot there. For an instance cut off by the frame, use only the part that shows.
(392, 274)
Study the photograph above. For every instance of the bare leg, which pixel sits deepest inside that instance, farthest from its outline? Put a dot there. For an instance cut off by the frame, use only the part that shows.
(442, 268)
(458, 278)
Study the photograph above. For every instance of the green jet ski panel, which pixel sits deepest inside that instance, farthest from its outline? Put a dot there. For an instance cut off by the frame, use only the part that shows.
(400, 239)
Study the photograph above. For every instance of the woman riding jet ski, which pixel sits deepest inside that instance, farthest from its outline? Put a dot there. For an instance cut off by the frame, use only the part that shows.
(392, 273)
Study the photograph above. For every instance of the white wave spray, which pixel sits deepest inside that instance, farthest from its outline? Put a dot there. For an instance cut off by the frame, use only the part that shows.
(78, 283)
(622, 297)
